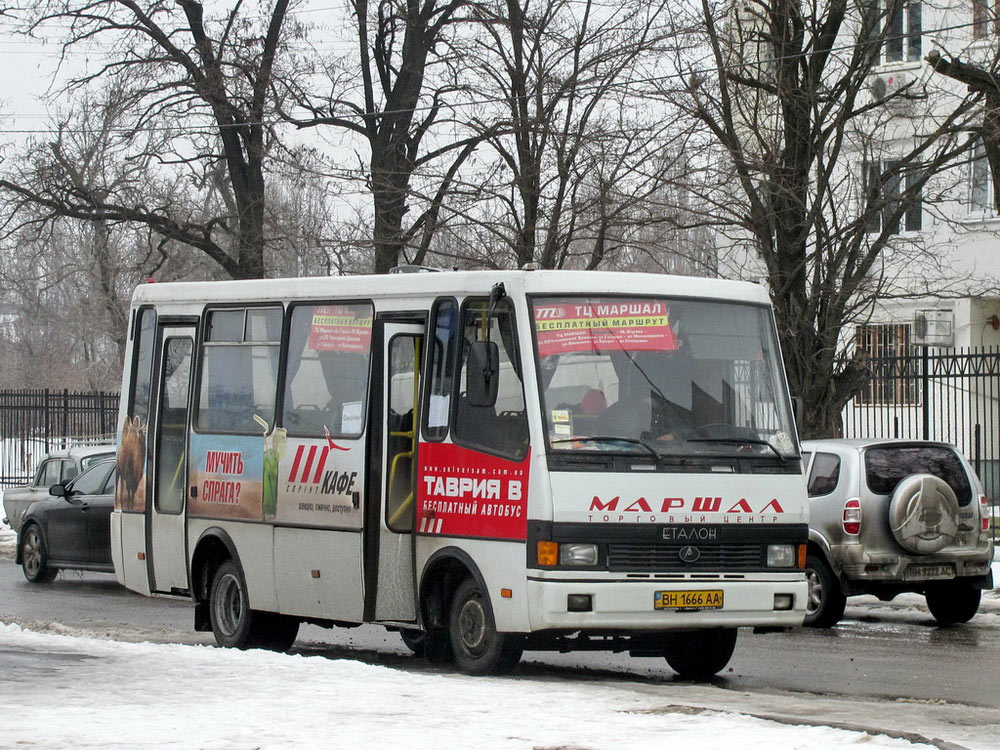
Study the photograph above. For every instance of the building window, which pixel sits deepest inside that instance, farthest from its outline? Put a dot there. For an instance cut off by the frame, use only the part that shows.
(980, 182)
(985, 18)
(902, 34)
(897, 24)
(890, 186)
(893, 364)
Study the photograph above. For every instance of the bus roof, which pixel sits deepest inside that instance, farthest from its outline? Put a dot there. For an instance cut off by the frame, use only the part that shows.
(451, 282)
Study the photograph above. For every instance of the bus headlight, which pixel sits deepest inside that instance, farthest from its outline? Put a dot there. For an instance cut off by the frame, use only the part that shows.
(578, 554)
(781, 555)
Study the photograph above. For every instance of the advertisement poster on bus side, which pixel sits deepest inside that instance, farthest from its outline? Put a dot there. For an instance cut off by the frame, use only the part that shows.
(462, 492)
(130, 488)
(565, 326)
(318, 481)
(227, 474)
(341, 328)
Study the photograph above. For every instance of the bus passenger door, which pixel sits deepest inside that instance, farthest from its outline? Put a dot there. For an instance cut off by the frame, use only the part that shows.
(389, 549)
(166, 542)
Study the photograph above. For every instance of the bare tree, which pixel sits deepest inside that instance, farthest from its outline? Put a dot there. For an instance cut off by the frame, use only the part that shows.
(558, 82)
(983, 80)
(815, 169)
(66, 300)
(393, 92)
(206, 83)
(81, 158)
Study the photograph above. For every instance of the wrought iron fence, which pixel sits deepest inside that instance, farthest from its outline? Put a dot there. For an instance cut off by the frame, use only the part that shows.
(34, 422)
(936, 394)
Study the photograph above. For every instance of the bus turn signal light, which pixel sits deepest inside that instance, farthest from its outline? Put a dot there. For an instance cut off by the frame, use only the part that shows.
(548, 553)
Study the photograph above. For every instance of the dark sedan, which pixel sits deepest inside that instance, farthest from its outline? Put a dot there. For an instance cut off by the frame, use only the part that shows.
(71, 528)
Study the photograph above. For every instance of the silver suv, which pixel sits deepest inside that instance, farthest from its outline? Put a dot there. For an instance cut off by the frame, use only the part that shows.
(888, 517)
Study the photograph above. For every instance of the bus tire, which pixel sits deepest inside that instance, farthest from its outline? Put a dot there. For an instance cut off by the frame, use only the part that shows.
(437, 646)
(275, 632)
(235, 625)
(700, 654)
(414, 640)
(478, 647)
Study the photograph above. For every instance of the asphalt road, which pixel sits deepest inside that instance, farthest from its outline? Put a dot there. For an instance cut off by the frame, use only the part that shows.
(882, 652)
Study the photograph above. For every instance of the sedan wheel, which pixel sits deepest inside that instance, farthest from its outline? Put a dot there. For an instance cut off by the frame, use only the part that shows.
(34, 558)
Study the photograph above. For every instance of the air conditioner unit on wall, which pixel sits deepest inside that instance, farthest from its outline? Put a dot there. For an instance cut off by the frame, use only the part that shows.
(885, 85)
(896, 81)
(933, 328)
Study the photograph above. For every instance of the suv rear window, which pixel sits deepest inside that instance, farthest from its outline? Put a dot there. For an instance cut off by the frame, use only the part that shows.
(886, 466)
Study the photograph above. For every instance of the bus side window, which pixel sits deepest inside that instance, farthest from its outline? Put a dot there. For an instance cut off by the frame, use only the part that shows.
(326, 386)
(239, 369)
(441, 368)
(143, 371)
(502, 428)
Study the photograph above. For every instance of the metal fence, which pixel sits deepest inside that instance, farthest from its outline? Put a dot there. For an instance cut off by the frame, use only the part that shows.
(936, 394)
(32, 423)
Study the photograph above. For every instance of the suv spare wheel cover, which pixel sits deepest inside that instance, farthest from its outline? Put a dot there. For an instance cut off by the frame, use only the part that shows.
(923, 514)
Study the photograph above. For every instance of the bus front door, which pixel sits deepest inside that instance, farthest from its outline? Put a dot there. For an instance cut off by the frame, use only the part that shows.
(389, 551)
(165, 528)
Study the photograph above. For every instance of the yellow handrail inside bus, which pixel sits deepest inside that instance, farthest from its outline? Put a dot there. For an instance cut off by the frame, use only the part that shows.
(410, 435)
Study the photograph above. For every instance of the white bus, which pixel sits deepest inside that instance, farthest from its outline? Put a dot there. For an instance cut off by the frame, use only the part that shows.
(485, 461)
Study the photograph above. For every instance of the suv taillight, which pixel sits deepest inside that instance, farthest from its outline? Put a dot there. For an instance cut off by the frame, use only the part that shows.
(852, 516)
(984, 512)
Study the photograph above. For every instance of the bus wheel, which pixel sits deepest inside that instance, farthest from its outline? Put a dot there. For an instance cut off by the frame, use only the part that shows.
(700, 654)
(236, 625)
(478, 647)
(413, 640)
(275, 632)
(437, 646)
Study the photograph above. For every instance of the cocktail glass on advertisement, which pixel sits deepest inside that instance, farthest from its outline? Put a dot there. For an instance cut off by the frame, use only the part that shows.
(274, 448)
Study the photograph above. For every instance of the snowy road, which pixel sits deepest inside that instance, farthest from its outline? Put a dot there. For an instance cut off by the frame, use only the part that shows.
(181, 697)
(111, 695)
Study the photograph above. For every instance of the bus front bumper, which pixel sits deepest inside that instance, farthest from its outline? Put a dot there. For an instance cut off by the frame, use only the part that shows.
(602, 603)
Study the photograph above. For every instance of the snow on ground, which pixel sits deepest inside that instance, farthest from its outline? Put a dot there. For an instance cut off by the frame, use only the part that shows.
(113, 695)
(8, 540)
(117, 695)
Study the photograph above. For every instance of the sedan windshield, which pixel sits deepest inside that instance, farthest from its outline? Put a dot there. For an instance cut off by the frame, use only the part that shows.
(671, 376)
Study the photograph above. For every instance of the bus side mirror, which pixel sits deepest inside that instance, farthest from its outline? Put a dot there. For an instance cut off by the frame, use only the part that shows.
(482, 373)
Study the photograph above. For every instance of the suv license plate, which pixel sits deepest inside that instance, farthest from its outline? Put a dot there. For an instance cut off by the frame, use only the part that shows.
(930, 572)
(709, 599)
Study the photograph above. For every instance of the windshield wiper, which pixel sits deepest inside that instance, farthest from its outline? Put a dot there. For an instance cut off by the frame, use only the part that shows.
(747, 441)
(608, 439)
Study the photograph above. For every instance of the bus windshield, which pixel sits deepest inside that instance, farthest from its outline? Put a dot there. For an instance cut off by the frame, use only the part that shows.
(661, 375)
